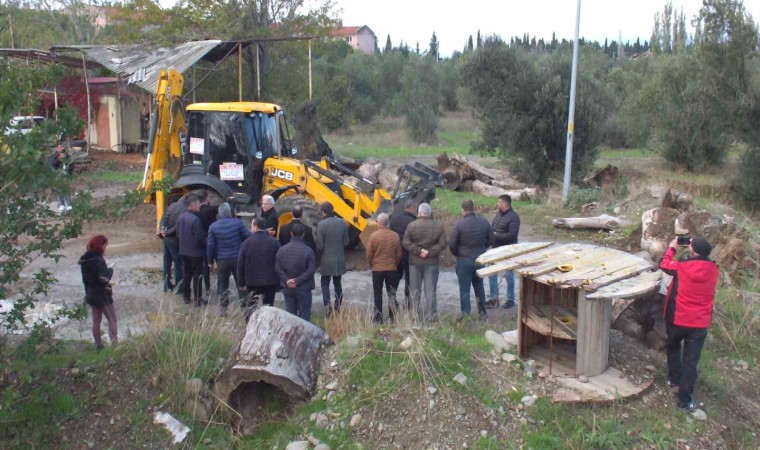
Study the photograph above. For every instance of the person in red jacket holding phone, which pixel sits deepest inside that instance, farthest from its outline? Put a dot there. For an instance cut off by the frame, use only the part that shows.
(688, 313)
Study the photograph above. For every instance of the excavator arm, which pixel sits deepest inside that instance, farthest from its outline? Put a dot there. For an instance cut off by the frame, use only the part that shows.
(164, 159)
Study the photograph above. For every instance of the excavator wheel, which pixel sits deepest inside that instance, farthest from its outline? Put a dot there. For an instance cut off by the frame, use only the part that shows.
(311, 213)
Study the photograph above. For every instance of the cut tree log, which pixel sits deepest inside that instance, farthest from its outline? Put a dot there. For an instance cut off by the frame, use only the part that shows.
(388, 179)
(370, 171)
(277, 359)
(603, 222)
(602, 177)
(494, 191)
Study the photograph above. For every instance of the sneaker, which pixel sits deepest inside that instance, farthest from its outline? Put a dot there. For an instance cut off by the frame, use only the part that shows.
(69, 207)
(688, 406)
(61, 208)
(509, 304)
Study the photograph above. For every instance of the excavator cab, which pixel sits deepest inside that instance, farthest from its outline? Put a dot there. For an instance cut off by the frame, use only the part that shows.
(227, 144)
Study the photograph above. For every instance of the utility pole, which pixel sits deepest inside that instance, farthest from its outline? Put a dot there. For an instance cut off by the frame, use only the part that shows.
(10, 27)
(571, 112)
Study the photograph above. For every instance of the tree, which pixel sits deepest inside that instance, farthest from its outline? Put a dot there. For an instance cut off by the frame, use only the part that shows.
(433, 51)
(29, 229)
(479, 40)
(523, 104)
(388, 45)
(421, 90)
(470, 46)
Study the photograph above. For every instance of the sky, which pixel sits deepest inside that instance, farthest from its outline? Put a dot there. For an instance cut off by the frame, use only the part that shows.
(453, 22)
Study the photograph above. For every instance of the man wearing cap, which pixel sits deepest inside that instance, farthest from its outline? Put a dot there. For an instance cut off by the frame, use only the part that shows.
(688, 313)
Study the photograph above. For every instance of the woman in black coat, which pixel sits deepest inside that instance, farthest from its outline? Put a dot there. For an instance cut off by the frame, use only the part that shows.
(96, 276)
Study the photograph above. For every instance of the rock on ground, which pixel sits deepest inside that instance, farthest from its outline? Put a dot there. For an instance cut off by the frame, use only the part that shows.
(298, 445)
(460, 378)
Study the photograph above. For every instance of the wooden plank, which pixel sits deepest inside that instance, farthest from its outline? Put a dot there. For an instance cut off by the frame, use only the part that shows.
(550, 256)
(605, 388)
(510, 251)
(605, 263)
(593, 335)
(637, 286)
(562, 361)
(538, 318)
(582, 263)
(617, 276)
(495, 269)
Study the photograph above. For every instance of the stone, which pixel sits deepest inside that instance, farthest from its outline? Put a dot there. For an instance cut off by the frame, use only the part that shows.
(508, 357)
(740, 365)
(314, 441)
(321, 420)
(616, 210)
(74, 372)
(330, 395)
(484, 433)
(356, 419)
(313, 417)
(699, 414)
(583, 379)
(650, 368)
(321, 446)
(194, 386)
(353, 341)
(380, 428)
(208, 441)
(461, 411)
(528, 400)
(523, 420)
(431, 404)
(332, 386)
(407, 343)
(91, 444)
(542, 375)
(432, 390)
(461, 379)
(530, 371)
(298, 445)
(334, 364)
(497, 340)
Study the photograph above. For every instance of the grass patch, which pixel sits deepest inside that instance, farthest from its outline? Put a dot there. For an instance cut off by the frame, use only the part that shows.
(451, 202)
(113, 176)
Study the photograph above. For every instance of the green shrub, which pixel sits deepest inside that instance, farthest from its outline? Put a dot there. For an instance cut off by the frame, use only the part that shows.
(578, 196)
(748, 183)
(421, 87)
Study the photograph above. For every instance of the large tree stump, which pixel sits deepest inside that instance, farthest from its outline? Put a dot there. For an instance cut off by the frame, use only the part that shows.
(604, 222)
(277, 361)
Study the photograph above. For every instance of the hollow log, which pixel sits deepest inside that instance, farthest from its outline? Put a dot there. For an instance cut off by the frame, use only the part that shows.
(604, 222)
(277, 359)
(452, 178)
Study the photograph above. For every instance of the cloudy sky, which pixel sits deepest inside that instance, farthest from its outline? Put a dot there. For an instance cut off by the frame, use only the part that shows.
(453, 22)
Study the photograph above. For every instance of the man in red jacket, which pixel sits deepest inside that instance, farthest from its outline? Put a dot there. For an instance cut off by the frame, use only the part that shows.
(688, 313)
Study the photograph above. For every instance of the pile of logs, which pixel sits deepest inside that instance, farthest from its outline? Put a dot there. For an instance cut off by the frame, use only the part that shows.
(462, 174)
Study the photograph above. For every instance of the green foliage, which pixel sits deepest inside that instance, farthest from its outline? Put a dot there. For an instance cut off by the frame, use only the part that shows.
(748, 183)
(421, 90)
(449, 76)
(523, 103)
(578, 196)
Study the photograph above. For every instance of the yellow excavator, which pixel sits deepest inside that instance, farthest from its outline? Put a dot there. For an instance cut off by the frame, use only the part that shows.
(239, 151)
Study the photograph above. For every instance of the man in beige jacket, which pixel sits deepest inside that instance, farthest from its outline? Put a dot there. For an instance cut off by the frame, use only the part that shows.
(384, 254)
(425, 240)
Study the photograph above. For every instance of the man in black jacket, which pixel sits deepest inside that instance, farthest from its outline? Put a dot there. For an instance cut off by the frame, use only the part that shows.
(171, 244)
(192, 246)
(398, 223)
(308, 234)
(506, 227)
(256, 267)
(207, 214)
(296, 266)
(269, 214)
(470, 238)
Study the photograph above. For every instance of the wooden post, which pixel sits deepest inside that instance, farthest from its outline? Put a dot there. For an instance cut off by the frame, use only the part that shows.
(120, 123)
(193, 73)
(309, 69)
(89, 107)
(594, 318)
(55, 102)
(240, 71)
(258, 74)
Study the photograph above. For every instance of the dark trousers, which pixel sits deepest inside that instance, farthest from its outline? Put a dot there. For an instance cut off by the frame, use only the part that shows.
(248, 303)
(225, 268)
(403, 272)
(325, 282)
(192, 268)
(171, 257)
(298, 302)
(206, 271)
(97, 316)
(391, 280)
(683, 359)
(467, 276)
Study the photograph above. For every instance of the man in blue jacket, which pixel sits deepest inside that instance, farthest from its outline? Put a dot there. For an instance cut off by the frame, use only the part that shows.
(192, 245)
(225, 237)
(256, 267)
(296, 266)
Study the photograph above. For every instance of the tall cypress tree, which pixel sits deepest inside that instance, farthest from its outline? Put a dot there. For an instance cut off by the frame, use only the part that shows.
(433, 51)
(388, 45)
(479, 40)
(469, 44)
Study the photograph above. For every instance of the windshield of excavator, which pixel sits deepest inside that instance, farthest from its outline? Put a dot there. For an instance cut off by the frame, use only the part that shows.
(261, 132)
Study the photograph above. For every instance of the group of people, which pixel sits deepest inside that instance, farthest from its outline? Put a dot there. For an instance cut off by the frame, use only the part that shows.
(405, 246)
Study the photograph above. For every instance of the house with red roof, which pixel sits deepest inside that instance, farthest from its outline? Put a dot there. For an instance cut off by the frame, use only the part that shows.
(361, 38)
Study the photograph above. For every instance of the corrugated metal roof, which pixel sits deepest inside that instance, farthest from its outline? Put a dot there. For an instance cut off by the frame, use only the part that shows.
(142, 66)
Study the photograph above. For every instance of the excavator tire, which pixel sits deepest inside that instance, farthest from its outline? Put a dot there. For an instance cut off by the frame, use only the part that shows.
(311, 213)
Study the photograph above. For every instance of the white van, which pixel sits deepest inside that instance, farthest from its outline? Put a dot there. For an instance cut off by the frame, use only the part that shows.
(24, 124)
